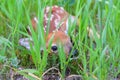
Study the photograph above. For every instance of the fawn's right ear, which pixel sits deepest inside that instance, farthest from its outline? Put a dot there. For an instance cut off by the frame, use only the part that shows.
(28, 30)
(34, 22)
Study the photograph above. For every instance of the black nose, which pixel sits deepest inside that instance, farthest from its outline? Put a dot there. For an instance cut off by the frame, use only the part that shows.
(54, 48)
(74, 53)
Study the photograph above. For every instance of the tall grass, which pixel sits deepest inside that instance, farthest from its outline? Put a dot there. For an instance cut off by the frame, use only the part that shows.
(98, 58)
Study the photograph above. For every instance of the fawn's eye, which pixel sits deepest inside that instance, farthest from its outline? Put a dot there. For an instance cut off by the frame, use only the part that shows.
(54, 48)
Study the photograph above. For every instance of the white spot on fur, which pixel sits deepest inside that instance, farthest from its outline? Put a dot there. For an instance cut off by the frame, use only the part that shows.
(62, 8)
(44, 29)
(46, 18)
(56, 22)
(45, 26)
(55, 6)
(47, 9)
(66, 31)
(51, 18)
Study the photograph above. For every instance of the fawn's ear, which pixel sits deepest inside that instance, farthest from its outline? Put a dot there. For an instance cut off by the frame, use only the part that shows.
(34, 22)
(25, 42)
(28, 43)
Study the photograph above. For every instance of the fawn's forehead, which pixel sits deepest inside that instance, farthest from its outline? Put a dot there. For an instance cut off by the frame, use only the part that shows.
(57, 36)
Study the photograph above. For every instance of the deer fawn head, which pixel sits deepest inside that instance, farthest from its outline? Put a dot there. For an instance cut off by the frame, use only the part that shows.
(58, 29)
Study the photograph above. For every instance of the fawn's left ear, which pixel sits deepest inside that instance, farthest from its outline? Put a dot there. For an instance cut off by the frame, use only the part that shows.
(25, 42)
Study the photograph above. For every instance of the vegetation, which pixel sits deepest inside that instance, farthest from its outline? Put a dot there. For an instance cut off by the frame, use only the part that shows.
(98, 59)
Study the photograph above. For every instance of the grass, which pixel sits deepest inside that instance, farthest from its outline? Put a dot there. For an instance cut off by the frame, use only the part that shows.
(98, 58)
